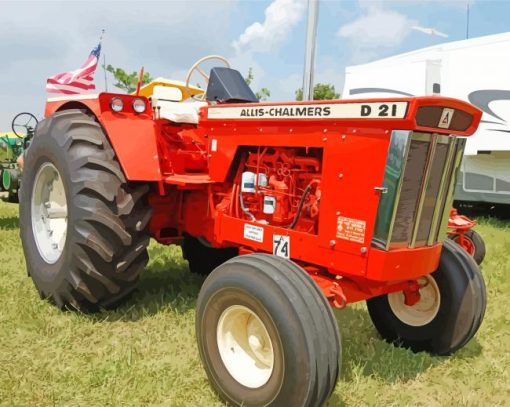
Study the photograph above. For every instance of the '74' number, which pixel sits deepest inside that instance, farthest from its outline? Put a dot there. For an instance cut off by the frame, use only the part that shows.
(281, 246)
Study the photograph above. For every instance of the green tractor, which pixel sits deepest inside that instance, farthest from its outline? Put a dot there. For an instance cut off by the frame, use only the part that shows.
(12, 146)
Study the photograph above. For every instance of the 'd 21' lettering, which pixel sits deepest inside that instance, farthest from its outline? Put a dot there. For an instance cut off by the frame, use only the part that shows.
(382, 110)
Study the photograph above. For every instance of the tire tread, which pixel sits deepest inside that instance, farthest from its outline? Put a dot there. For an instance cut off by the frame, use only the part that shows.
(108, 251)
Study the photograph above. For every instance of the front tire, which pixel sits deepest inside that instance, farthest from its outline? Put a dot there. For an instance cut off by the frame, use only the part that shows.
(473, 244)
(84, 228)
(266, 334)
(448, 314)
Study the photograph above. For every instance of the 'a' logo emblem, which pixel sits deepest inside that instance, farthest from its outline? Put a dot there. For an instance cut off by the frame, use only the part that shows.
(446, 118)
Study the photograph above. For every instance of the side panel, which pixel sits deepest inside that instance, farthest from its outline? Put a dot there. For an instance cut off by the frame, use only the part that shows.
(353, 167)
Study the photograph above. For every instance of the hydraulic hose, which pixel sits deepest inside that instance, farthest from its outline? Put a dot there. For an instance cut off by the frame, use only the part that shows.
(301, 203)
(244, 208)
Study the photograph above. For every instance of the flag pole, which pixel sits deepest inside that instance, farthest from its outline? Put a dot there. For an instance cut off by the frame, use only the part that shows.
(467, 20)
(104, 62)
(311, 34)
(140, 80)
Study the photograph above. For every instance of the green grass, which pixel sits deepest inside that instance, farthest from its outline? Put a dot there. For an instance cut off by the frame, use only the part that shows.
(145, 352)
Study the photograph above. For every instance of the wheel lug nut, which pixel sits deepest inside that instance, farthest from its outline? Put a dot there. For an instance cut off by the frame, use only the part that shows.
(54, 245)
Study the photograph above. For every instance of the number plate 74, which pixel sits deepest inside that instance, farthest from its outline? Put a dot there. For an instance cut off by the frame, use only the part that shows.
(281, 246)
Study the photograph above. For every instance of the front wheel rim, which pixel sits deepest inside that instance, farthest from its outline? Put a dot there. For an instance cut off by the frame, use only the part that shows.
(468, 245)
(49, 213)
(424, 311)
(245, 347)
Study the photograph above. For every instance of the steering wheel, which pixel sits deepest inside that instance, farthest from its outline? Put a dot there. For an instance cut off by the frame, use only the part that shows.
(25, 121)
(196, 67)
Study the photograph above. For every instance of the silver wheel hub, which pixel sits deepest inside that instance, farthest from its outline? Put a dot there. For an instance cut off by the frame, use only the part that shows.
(49, 213)
(424, 311)
(245, 346)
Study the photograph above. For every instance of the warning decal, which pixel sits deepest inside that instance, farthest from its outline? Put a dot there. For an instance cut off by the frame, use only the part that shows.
(446, 118)
(254, 233)
(351, 229)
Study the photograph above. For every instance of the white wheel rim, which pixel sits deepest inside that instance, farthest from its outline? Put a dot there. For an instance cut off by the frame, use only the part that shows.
(49, 213)
(424, 311)
(245, 346)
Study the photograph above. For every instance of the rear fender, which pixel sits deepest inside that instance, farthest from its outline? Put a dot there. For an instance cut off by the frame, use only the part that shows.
(132, 135)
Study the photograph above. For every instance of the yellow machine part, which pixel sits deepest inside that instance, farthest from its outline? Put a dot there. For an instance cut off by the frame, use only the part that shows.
(147, 90)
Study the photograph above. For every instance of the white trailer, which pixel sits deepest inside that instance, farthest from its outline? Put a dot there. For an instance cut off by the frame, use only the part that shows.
(476, 70)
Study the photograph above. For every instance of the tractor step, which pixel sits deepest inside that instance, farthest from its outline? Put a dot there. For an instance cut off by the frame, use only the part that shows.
(187, 179)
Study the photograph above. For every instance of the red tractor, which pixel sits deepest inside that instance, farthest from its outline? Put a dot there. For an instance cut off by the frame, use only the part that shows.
(460, 230)
(290, 209)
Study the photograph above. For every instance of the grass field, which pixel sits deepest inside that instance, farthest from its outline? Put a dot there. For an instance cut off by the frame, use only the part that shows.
(145, 353)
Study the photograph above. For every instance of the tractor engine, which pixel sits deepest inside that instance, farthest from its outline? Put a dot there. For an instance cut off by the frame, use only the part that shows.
(279, 186)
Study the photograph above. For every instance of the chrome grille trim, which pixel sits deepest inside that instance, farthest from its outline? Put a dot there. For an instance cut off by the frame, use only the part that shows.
(442, 192)
(459, 152)
(399, 190)
(424, 211)
(423, 190)
(398, 151)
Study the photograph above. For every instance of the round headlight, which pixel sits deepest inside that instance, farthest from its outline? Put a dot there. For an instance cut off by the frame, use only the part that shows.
(117, 104)
(139, 105)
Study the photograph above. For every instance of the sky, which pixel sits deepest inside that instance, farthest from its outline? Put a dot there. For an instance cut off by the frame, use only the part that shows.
(41, 38)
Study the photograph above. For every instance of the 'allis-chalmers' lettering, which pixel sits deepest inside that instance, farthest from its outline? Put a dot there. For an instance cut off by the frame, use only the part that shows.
(311, 111)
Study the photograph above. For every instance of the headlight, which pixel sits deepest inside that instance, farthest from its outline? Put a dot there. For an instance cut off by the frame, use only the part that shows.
(117, 104)
(139, 105)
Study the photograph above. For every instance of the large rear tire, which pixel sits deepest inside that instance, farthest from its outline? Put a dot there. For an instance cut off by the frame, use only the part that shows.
(266, 334)
(448, 314)
(84, 228)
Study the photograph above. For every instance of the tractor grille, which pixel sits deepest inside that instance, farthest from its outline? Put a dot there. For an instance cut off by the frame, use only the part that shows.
(419, 179)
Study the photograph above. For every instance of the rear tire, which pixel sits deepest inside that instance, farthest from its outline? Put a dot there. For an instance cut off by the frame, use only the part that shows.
(89, 251)
(475, 245)
(440, 327)
(266, 334)
(203, 259)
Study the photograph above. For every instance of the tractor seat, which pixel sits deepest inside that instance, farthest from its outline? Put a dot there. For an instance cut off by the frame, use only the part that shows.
(178, 112)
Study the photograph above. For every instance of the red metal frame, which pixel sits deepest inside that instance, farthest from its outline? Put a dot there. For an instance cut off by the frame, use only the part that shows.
(132, 135)
(195, 172)
(458, 225)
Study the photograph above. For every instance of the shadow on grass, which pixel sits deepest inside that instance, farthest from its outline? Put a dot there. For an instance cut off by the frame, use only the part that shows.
(9, 223)
(165, 284)
(366, 354)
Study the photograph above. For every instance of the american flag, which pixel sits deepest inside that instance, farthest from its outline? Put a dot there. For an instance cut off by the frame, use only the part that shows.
(80, 80)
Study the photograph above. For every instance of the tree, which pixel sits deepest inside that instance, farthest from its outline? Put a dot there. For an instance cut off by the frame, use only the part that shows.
(127, 81)
(321, 91)
(264, 93)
